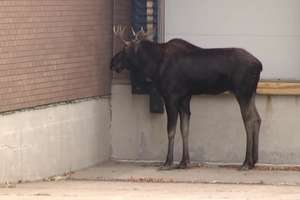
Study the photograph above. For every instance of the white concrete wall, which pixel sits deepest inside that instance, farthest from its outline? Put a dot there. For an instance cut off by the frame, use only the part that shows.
(36, 144)
(217, 132)
(269, 29)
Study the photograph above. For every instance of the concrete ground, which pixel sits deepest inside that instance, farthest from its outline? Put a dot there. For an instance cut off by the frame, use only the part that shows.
(148, 172)
(92, 190)
(129, 181)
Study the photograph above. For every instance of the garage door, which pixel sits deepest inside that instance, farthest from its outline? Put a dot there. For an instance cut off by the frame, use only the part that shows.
(270, 29)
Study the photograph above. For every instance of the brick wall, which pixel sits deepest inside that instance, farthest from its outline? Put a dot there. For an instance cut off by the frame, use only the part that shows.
(53, 50)
(122, 16)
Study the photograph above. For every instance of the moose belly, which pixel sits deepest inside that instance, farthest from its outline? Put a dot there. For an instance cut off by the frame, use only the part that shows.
(213, 86)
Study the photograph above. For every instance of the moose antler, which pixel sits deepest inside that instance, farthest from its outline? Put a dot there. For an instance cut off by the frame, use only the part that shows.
(133, 32)
(138, 36)
(119, 32)
(141, 34)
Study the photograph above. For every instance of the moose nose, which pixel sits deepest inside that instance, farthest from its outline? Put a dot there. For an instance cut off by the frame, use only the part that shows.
(113, 67)
(112, 64)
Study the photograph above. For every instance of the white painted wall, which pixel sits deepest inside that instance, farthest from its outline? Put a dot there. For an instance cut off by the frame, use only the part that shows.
(217, 132)
(270, 29)
(36, 144)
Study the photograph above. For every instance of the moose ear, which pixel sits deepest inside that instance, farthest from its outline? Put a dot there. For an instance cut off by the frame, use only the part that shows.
(142, 35)
(127, 43)
(150, 36)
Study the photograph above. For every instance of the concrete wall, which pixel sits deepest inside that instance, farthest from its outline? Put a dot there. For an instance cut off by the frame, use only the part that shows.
(217, 132)
(232, 23)
(35, 144)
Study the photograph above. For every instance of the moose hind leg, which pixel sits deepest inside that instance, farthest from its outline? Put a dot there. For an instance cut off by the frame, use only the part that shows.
(256, 128)
(252, 122)
(185, 114)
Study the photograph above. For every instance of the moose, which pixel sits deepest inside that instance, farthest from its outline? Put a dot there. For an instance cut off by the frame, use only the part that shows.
(179, 69)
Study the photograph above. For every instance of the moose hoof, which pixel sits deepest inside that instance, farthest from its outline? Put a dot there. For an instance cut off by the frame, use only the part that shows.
(246, 166)
(166, 166)
(183, 165)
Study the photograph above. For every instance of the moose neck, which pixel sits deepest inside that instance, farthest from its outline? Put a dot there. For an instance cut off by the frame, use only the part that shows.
(150, 56)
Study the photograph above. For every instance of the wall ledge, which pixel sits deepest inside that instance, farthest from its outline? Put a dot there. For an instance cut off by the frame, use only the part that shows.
(263, 88)
(278, 88)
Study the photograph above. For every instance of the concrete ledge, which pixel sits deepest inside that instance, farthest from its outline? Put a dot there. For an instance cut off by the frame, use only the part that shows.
(217, 132)
(145, 172)
(35, 144)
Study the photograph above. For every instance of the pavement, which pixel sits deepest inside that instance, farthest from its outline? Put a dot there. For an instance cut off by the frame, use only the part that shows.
(149, 172)
(142, 181)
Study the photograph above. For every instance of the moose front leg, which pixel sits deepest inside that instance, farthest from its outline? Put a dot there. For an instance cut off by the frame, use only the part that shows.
(185, 113)
(172, 115)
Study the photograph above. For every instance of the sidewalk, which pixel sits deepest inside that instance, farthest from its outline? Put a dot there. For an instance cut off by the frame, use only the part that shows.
(143, 172)
(98, 190)
(128, 181)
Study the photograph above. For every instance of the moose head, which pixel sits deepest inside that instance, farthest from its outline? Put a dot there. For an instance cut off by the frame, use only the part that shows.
(127, 58)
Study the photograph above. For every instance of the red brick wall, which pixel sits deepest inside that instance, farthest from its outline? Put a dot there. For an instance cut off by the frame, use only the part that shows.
(122, 16)
(53, 50)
